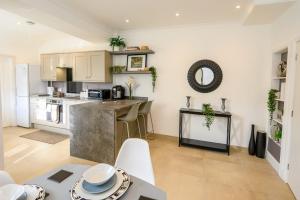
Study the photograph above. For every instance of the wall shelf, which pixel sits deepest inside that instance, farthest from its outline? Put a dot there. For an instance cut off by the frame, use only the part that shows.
(133, 72)
(138, 52)
(279, 121)
(279, 78)
(281, 100)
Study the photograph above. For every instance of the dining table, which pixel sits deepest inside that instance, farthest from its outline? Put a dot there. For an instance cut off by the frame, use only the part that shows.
(61, 191)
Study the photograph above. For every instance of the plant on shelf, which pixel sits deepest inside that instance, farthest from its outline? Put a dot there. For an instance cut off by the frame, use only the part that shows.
(131, 83)
(117, 69)
(272, 103)
(277, 133)
(117, 42)
(154, 76)
(209, 115)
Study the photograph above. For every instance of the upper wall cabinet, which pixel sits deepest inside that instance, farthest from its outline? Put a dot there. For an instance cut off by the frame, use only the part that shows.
(65, 60)
(49, 70)
(92, 67)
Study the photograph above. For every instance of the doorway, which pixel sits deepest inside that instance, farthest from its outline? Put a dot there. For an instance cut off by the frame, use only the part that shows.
(294, 164)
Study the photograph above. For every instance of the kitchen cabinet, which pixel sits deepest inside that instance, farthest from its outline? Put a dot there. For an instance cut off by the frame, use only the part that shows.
(49, 70)
(92, 67)
(65, 60)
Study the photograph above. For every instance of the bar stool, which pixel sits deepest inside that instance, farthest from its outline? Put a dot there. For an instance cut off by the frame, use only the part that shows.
(131, 116)
(144, 111)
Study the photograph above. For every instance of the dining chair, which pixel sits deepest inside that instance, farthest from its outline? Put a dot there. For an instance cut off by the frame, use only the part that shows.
(131, 116)
(134, 157)
(144, 111)
(5, 178)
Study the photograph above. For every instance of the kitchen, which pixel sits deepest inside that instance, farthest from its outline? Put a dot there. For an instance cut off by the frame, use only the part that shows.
(68, 79)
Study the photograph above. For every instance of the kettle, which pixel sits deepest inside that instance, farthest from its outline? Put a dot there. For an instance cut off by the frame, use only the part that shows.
(118, 92)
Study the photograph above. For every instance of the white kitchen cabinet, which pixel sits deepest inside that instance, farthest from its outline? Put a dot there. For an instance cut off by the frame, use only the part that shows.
(65, 60)
(50, 70)
(92, 67)
(38, 111)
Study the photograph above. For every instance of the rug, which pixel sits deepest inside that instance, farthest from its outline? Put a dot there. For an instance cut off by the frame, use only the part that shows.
(46, 137)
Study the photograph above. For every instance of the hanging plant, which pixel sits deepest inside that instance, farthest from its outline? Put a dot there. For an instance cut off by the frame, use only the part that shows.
(272, 102)
(154, 76)
(117, 42)
(209, 115)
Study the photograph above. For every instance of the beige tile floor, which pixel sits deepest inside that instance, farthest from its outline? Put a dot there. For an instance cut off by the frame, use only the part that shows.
(184, 173)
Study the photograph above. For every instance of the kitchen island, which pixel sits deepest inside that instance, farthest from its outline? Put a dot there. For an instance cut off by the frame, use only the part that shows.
(95, 133)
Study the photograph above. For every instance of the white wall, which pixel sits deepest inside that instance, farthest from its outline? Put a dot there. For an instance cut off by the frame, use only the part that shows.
(1, 138)
(244, 56)
(242, 52)
(8, 85)
(286, 28)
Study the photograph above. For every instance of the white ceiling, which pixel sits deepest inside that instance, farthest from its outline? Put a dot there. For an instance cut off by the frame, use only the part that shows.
(95, 20)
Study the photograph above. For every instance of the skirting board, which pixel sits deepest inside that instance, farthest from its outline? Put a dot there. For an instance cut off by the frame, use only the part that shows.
(52, 129)
(273, 162)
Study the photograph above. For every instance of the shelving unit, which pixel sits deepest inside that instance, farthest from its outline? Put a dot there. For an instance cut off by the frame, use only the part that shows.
(139, 52)
(274, 148)
(133, 72)
(128, 53)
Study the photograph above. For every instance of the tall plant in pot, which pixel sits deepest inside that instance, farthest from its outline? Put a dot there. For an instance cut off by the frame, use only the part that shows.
(272, 103)
(117, 43)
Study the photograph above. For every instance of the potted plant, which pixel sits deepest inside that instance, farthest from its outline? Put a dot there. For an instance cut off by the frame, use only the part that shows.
(117, 42)
(272, 102)
(154, 76)
(209, 115)
(277, 133)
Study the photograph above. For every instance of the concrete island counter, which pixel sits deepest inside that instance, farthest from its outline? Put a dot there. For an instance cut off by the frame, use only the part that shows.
(95, 133)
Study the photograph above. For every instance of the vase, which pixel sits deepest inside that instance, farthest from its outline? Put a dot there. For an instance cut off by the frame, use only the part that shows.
(252, 146)
(261, 142)
(223, 106)
(188, 101)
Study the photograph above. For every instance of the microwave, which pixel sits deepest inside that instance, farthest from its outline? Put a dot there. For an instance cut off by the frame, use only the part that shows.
(99, 94)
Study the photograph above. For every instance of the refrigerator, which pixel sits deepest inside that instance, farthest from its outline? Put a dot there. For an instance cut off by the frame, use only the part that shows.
(28, 83)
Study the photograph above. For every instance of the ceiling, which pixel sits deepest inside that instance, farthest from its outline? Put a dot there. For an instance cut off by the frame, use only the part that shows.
(95, 20)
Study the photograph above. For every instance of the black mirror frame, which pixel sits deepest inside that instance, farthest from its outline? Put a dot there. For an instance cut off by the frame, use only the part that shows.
(218, 76)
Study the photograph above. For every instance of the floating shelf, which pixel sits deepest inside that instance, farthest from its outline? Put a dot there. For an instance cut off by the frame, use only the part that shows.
(279, 78)
(281, 100)
(133, 72)
(138, 52)
(279, 121)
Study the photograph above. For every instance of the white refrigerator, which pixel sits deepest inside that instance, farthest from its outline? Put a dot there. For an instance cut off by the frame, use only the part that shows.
(28, 83)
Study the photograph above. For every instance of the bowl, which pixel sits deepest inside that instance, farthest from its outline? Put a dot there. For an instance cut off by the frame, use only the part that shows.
(99, 174)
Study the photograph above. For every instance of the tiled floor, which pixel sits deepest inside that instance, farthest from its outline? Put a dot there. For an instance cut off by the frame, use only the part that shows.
(184, 173)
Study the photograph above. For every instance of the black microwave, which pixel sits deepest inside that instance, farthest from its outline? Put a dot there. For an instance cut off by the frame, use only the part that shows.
(99, 94)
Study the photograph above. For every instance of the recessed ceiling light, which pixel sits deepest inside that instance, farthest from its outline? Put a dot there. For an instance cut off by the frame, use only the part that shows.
(19, 23)
(177, 14)
(127, 21)
(238, 6)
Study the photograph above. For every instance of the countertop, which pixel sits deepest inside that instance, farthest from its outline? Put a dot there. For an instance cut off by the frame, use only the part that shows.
(111, 105)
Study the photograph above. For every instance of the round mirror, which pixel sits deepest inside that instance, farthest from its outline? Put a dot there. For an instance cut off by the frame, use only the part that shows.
(205, 76)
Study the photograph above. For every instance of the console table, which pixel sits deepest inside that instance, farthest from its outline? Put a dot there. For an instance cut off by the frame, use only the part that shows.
(205, 144)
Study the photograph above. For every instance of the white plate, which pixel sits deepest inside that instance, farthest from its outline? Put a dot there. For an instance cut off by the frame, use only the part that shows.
(99, 174)
(121, 186)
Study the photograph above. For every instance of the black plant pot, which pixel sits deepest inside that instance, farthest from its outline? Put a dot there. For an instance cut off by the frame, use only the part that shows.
(261, 141)
(252, 146)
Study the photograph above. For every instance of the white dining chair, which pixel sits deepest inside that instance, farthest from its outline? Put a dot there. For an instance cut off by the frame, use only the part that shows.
(134, 157)
(5, 178)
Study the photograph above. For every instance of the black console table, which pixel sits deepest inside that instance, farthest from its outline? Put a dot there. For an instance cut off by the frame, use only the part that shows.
(205, 144)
